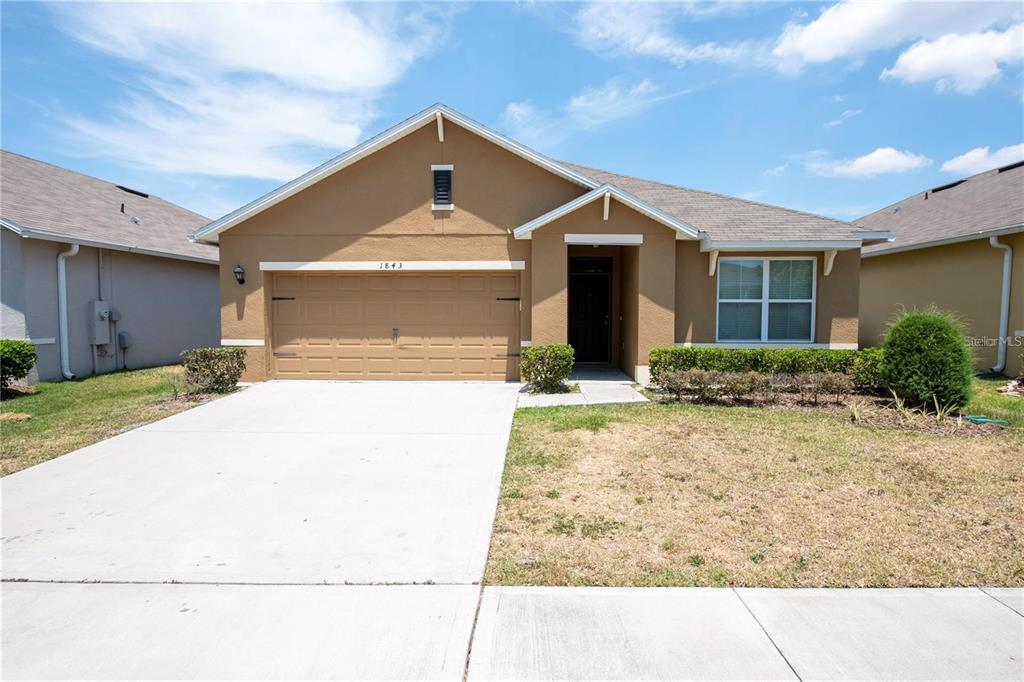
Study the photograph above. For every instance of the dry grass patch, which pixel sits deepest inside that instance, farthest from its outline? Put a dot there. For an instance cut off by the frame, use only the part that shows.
(55, 418)
(695, 495)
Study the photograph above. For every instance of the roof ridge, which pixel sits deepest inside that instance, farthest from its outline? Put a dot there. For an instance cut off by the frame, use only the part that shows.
(111, 183)
(848, 223)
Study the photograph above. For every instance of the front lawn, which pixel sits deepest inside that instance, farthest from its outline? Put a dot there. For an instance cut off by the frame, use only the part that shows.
(67, 415)
(678, 494)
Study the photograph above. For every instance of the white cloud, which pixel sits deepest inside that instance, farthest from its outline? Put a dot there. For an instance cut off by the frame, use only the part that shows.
(980, 159)
(646, 30)
(879, 162)
(777, 170)
(963, 63)
(851, 29)
(843, 118)
(591, 108)
(244, 90)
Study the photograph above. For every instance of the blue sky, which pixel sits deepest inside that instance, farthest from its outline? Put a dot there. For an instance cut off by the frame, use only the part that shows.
(833, 108)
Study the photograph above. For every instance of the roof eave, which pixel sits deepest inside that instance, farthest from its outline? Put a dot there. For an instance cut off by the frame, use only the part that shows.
(45, 235)
(708, 244)
(209, 233)
(945, 241)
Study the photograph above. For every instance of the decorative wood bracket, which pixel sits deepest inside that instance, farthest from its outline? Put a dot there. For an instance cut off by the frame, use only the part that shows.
(607, 204)
(440, 127)
(830, 258)
(712, 262)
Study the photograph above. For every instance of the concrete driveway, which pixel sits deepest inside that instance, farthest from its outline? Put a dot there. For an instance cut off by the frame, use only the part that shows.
(284, 495)
(286, 482)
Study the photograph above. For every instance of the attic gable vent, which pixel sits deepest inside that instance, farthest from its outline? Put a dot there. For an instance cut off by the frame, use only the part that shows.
(132, 191)
(442, 186)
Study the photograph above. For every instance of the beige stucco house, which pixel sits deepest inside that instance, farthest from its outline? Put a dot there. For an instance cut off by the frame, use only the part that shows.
(99, 276)
(440, 248)
(959, 247)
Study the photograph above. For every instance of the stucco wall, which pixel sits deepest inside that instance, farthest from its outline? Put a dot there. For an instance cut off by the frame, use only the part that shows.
(696, 293)
(379, 209)
(166, 305)
(965, 278)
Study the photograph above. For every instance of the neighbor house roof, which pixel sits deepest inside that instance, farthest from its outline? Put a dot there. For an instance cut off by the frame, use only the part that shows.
(981, 205)
(719, 221)
(42, 201)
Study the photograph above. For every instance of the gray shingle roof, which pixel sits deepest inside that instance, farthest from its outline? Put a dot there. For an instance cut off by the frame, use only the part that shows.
(980, 203)
(40, 196)
(726, 218)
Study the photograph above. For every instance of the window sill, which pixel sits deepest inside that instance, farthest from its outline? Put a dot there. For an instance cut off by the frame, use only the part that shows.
(442, 207)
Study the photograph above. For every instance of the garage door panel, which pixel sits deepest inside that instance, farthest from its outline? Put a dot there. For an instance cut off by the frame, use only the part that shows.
(449, 325)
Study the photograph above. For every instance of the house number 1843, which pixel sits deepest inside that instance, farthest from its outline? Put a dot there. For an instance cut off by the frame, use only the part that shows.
(390, 266)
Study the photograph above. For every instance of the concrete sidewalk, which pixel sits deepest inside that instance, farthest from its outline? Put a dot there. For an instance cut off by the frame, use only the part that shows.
(533, 633)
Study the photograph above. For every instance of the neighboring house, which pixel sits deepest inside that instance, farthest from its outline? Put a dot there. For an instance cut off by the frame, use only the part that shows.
(439, 248)
(98, 276)
(960, 247)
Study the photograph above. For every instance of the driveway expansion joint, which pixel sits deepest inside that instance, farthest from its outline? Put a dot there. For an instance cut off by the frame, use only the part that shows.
(766, 633)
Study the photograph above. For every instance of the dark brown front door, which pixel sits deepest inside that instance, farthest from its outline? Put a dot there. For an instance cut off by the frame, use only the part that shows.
(590, 308)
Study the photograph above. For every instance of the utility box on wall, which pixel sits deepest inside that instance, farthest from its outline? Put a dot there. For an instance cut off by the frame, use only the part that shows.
(100, 323)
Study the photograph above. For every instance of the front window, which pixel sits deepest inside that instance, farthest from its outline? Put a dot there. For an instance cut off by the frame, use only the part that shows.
(766, 299)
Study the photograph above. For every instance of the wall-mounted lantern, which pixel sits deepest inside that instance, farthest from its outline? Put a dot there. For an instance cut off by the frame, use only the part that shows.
(240, 274)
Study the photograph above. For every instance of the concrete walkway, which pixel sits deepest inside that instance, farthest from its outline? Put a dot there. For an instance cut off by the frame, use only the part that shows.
(537, 633)
(596, 387)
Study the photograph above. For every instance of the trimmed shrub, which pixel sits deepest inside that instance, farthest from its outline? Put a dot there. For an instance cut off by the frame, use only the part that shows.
(867, 370)
(214, 370)
(16, 359)
(927, 361)
(763, 360)
(743, 385)
(545, 368)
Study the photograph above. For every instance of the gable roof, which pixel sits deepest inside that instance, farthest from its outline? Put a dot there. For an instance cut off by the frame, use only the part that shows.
(726, 220)
(683, 230)
(971, 208)
(721, 222)
(430, 115)
(43, 201)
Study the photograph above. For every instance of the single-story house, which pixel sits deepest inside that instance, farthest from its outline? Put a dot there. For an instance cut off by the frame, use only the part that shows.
(959, 247)
(99, 276)
(439, 248)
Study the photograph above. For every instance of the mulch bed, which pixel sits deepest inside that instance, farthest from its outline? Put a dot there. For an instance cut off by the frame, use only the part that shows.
(871, 411)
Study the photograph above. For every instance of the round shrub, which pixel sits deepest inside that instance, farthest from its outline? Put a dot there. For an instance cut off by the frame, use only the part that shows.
(214, 370)
(927, 361)
(16, 359)
(545, 368)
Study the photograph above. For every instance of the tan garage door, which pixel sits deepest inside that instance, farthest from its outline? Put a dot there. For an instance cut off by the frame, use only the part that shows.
(395, 326)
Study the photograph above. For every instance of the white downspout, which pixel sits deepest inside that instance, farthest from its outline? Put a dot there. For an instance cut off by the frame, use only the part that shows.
(1004, 303)
(62, 310)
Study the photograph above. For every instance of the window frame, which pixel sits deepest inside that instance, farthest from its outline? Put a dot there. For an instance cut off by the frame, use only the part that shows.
(766, 299)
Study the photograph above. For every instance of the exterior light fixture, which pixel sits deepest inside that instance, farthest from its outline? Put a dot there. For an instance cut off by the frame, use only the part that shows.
(240, 274)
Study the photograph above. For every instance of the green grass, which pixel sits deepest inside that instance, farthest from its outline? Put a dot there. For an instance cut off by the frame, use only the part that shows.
(990, 403)
(67, 415)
